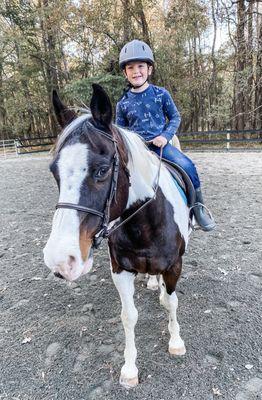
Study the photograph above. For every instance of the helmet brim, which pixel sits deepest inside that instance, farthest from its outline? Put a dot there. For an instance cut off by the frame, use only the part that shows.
(123, 64)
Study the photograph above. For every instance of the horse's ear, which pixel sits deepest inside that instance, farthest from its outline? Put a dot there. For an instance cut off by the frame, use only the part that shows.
(63, 114)
(101, 107)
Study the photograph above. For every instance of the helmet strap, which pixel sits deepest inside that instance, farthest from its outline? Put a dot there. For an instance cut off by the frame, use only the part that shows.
(138, 86)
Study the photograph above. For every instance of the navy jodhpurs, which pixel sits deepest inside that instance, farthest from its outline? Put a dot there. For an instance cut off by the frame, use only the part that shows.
(172, 154)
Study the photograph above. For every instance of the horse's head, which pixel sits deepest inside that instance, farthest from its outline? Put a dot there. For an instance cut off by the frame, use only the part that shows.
(85, 169)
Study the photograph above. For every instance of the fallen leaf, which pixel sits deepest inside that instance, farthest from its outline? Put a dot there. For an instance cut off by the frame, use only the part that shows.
(27, 339)
(223, 271)
(217, 392)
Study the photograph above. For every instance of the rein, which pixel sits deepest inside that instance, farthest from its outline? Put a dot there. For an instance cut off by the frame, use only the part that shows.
(104, 232)
(116, 226)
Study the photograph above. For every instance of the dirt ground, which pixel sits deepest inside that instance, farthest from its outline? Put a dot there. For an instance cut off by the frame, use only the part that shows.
(65, 342)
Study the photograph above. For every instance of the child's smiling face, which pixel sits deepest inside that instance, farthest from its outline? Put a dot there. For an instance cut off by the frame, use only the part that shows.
(137, 72)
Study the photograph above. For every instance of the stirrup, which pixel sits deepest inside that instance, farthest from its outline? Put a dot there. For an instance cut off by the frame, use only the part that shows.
(198, 227)
(202, 205)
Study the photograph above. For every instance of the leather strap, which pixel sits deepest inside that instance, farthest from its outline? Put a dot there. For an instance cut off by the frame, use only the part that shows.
(80, 208)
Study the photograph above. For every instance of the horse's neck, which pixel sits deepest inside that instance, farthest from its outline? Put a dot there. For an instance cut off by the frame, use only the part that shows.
(143, 168)
(142, 179)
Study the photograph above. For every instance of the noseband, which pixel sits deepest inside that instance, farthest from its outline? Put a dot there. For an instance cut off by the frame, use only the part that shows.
(105, 215)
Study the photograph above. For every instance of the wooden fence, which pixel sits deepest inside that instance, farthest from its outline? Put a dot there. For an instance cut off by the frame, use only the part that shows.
(203, 141)
(35, 145)
(8, 148)
(222, 140)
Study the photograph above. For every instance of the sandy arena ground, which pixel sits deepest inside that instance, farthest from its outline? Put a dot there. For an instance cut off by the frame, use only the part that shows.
(65, 342)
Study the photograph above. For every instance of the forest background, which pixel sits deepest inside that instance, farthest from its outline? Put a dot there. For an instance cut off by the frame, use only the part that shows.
(208, 55)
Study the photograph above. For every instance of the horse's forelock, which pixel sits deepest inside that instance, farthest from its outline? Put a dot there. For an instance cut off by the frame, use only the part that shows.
(75, 127)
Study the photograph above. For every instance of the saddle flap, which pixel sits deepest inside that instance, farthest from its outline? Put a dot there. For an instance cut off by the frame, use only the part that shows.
(182, 179)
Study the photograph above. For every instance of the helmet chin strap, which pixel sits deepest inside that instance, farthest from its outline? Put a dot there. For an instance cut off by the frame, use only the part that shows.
(138, 86)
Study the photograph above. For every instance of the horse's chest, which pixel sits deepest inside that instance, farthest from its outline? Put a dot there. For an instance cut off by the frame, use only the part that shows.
(143, 264)
(150, 243)
(148, 259)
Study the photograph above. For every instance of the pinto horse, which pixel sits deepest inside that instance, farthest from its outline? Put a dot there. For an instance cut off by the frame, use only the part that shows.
(107, 182)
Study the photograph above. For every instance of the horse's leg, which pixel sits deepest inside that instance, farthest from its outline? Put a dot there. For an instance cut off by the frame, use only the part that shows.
(168, 299)
(124, 283)
(152, 282)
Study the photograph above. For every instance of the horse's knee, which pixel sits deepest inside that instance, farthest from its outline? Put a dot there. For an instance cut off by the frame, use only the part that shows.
(129, 317)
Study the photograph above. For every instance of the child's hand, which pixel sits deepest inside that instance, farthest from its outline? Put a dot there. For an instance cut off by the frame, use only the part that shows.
(159, 141)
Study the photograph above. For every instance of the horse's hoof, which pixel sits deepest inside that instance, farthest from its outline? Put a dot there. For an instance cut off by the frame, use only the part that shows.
(180, 351)
(128, 383)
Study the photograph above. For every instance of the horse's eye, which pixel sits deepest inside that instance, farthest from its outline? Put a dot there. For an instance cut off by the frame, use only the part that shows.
(101, 172)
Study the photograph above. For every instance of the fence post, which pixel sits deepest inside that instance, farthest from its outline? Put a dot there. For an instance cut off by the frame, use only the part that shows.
(228, 140)
(4, 148)
(16, 148)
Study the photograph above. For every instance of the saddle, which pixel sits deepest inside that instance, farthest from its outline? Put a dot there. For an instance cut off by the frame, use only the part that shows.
(182, 179)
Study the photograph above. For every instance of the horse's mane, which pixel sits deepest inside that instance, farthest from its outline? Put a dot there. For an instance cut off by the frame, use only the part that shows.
(137, 150)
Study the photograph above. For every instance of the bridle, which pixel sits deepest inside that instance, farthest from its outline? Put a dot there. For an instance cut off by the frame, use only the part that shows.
(104, 232)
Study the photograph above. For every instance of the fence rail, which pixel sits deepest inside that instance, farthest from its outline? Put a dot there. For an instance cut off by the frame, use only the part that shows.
(230, 131)
(188, 140)
(35, 145)
(192, 140)
(8, 148)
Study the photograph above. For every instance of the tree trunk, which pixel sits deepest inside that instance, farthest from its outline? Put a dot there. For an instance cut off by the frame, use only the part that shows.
(195, 96)
(142, 18)
(250, 78)
(127, 15)
(258, 90)
(2, 106)
(240, 67)
(213, 80)
(31, 129)
(49, 44)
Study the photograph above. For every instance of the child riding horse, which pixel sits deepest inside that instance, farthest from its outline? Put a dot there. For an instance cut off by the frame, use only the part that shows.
(150, 111)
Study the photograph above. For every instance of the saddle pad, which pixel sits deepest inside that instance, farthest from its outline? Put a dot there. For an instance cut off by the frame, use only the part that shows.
(181, 191)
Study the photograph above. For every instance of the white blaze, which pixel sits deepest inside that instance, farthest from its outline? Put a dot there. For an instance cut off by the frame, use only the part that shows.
(63, 242)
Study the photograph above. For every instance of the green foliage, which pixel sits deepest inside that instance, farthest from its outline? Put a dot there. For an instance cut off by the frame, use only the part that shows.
(80, 92)
(68, 45)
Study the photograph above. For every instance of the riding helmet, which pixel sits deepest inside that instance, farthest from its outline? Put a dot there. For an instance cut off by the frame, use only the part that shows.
(136, 50)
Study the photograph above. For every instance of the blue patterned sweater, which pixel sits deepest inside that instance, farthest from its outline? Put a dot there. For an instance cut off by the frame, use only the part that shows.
(149, 113)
